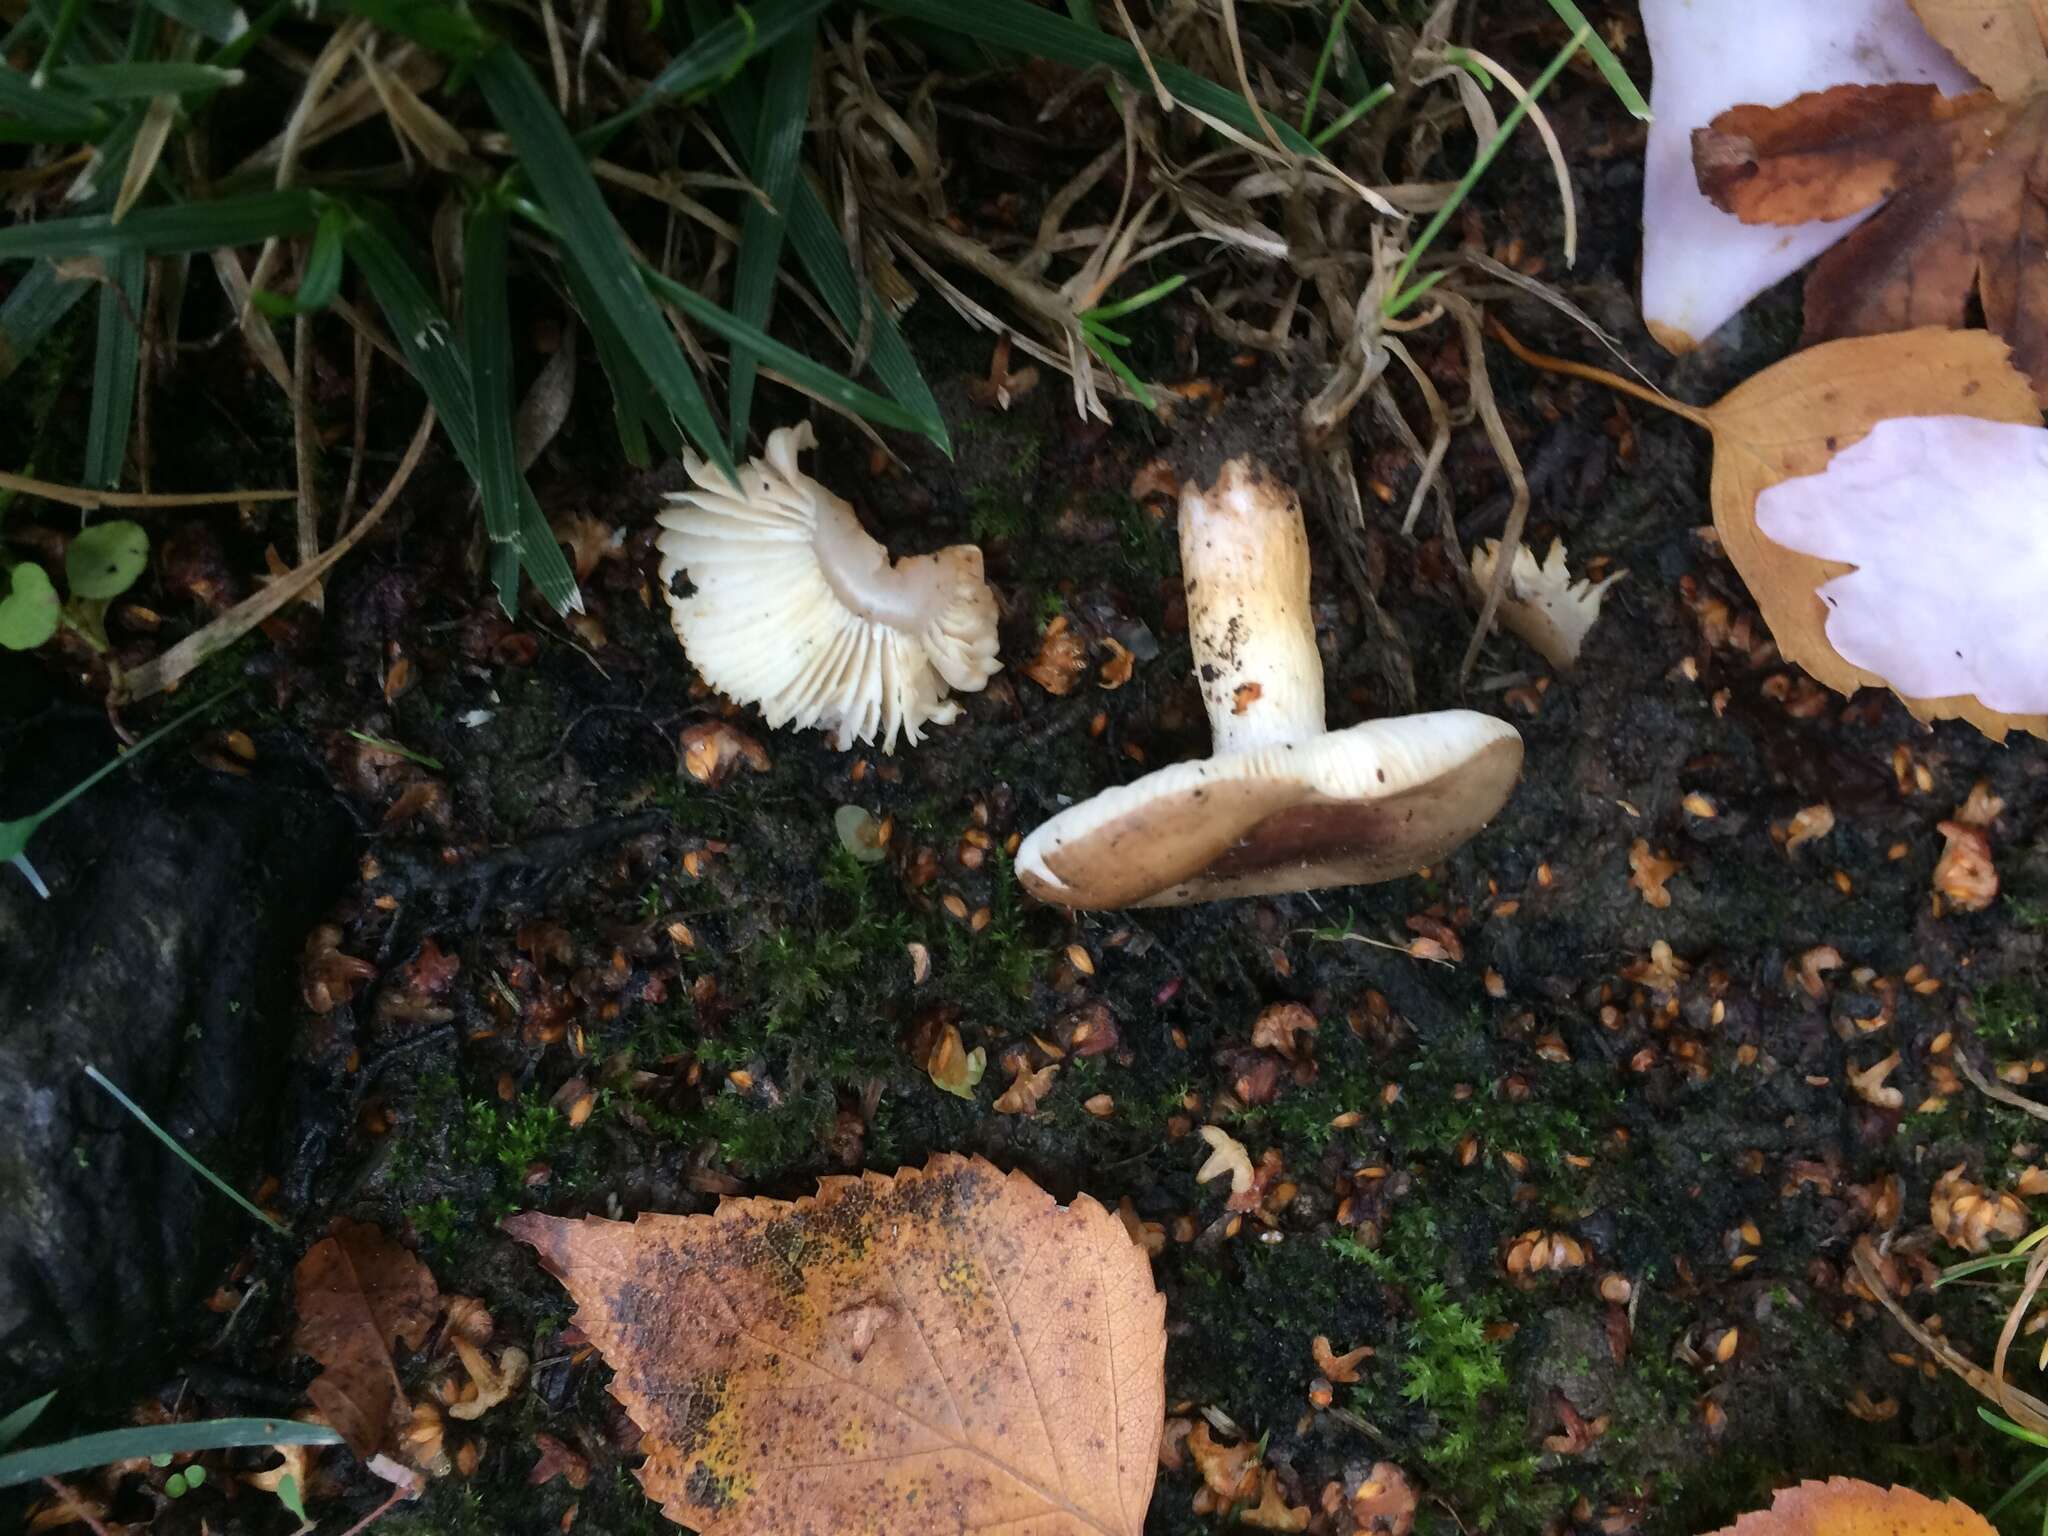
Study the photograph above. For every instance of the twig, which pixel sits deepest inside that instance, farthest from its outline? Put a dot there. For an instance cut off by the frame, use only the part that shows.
(164, 671)
(92, 501)
(65, 1492)
(1996, 1090)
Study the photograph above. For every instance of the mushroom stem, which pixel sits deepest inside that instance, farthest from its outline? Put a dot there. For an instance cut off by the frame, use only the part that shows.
(1244, 559)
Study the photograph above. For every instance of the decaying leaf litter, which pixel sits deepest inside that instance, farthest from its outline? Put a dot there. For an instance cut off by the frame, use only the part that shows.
(1493, 1176)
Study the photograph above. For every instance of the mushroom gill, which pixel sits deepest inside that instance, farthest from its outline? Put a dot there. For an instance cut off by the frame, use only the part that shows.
(792, 606)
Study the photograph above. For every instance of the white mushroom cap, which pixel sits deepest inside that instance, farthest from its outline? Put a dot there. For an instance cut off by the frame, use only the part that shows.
(1283, 805)
(795, 608)
(1374, 802)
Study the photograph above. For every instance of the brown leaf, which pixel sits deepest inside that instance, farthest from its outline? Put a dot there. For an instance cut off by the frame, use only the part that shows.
(557, 1460)
(588, 540)
(712, 750)
(1792, 418)
(1843, 1506)
(358, 1294)
(1998, 41)
(1828, 154)
(1062, 658)
(952, 1066)
(1385, 1501)
(948, 1339)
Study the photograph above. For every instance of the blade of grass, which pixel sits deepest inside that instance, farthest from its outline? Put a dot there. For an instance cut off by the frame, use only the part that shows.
(22, 1419)
(487, 339)
(778, 142)
(45, 114)
(83, 1451)
(1354, 112)
(319, 279)
(32, 311)
(714, 58)
(117, 355)
(1604, 59)
(2018, 1490)
(221, 21)
(792, 364)
(635, 411)
(420, 327)
(1026, 28)
(1315, 84)
(189, 1160)
(443, 28)
(1136, 301)
(140, 81)
(562, 179)
(170, 231)
(816, 241)
(1120, 368)
(1400, 296)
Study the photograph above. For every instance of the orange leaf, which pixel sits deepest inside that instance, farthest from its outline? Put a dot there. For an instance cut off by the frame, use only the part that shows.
(1998, 41)
(1794, 417)
(358, 1291)
(1843, 1506)
(948, 1339)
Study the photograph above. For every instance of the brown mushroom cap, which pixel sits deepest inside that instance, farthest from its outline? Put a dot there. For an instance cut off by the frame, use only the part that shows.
(1369, 803)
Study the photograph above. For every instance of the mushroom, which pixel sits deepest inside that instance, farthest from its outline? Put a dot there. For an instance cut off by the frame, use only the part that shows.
(1542, 603)
(1281, 805)
(794, 607)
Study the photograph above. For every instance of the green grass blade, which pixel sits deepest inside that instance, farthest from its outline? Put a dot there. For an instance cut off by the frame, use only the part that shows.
(776, 164)
(22, 1419)
(1136, 301)
(487, 339)
(32, 311)
(76, 1455)
(792, 364)
(115, 368)
(434, 24)
(716, 57)
(421, 329)
(45, 114)
(141, 81)
(1399, 295)
(220, 21)
(2018, 1490)
(816, 241)
(185, 1156)
(169, 231)
(1315, 84)
(1019, 25)
(320, 280)
(568, 192)
(1603, 57)
(635, 411)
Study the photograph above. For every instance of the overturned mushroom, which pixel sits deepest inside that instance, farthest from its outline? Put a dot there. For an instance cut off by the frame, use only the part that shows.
(794, 607)
(1281, 805)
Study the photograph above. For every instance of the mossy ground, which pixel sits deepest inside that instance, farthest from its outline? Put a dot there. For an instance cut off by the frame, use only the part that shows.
(735, 991)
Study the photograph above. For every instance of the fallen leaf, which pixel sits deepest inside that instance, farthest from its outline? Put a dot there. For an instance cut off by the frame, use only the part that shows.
(954, 1068)
(1968, 1216)
(1062, 658)
(557, 1460)
(1963, 213)
(1700, 265)
(589, 540)
(359, 1293)
(1843, 1506)
(948, 1339)
(1791, 419)
(1939, 605)
(1226, 1155)
(1026, 1086)
(712, 750)
(1278, 1025)
(1230, 1472)
(1340, 1369)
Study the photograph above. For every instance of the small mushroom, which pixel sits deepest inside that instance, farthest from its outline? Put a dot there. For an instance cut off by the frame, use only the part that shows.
(1542, 603)
(794, 607)
(1282, 804)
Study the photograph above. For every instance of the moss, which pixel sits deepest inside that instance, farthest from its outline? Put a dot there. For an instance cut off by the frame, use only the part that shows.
(2009, 1013)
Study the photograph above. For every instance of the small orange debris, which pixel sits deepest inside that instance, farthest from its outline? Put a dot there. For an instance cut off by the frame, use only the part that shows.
(712, 749)
(1342, 1369)
(1247, 694)
(1648, 871)
(1062, 658)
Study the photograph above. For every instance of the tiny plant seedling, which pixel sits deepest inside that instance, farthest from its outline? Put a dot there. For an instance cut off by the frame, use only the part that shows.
(103, 561)
(14, 835)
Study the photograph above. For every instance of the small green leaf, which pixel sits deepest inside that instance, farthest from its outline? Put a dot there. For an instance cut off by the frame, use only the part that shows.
(105, 560)
(141, 81)
(291, 1498)
(437, 25)
(28, 614)
(174, 1485)
(320, 279)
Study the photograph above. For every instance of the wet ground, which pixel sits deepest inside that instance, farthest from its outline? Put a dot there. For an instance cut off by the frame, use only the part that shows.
(603, 985)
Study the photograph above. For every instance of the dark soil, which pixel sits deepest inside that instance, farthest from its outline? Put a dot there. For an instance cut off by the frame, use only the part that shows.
(734, 989)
